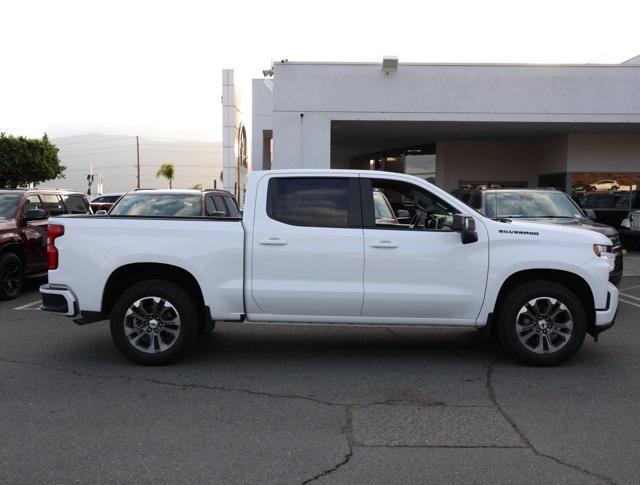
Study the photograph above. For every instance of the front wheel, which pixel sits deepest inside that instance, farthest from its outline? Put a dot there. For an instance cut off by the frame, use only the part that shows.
(541, 323)
(154, 322)
(11, 276)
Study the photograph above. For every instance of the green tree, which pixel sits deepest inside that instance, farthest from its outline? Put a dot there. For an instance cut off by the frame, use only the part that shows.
(197, 187)
(25, 161)
(168, 171)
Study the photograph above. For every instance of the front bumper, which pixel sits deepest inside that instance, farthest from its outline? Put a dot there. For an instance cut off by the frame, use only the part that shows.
(59, 299)
(606, 317)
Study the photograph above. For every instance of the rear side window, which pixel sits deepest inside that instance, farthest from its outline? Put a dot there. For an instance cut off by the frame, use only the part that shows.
(232, 206)
(309, 201)
(52, 204)
(76, 204)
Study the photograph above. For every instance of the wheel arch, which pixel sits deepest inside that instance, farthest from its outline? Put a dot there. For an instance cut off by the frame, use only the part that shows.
(126, 276)
(15, 248)
(572, 281)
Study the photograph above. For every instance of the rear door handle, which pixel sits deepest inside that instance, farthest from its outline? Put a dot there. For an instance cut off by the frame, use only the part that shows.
(273, 241)
(385, 243)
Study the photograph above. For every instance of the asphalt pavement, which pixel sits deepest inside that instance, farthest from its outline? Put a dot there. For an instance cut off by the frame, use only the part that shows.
(293, 404)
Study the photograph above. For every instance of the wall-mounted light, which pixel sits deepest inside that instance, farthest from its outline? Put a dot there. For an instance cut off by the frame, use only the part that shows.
(389, 64)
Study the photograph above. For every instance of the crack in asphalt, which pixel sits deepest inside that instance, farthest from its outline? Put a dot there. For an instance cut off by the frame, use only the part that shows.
(174, 384)
(390, 402)
(523, 436)
(347, 430)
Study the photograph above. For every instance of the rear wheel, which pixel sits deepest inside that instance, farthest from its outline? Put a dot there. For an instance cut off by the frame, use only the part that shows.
(541, 323)
(11, 276)
(154, 322)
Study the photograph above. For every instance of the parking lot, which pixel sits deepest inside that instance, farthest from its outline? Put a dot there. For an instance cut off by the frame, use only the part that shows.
(257, 404)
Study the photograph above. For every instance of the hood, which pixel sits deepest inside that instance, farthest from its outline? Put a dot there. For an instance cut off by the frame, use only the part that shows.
(579, 223)
(535, 228)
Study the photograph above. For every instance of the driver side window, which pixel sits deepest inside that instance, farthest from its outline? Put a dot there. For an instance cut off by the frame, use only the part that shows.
(400, 205)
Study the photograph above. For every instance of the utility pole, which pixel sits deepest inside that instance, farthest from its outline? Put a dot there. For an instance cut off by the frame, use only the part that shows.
(138, 158)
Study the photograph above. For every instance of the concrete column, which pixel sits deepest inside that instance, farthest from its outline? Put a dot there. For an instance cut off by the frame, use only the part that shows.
(229, 131)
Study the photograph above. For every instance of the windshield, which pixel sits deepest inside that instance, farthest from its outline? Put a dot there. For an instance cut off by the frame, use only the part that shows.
(9, 205)
(159, 205)
(529, 204)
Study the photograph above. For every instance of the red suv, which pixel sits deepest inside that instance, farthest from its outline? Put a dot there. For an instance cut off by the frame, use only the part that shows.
(23, 232)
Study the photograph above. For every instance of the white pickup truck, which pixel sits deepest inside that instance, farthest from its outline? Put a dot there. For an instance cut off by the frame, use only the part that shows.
(337, 248)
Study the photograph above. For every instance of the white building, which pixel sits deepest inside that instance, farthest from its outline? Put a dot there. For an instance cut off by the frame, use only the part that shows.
(510, 124)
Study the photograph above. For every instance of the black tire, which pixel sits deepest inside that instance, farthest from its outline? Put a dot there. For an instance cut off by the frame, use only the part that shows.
(546, 336)
(178, 303)
(11, 276)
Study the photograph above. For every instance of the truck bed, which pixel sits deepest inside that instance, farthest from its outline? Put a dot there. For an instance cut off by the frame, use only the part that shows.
(211, 249)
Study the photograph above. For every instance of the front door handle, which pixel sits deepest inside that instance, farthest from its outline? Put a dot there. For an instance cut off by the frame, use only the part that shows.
(273, 241)
(385, 243)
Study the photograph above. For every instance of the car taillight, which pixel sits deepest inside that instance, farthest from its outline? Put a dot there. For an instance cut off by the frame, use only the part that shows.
(54, 231)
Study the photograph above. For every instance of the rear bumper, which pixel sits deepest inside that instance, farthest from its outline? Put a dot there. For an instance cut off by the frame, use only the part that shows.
(59, 299)
(605, 318)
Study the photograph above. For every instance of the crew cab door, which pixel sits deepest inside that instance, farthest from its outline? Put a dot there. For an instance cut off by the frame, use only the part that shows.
(419, 270)
(307, 247)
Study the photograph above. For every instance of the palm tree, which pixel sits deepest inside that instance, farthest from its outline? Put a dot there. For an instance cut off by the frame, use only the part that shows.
(168, 171)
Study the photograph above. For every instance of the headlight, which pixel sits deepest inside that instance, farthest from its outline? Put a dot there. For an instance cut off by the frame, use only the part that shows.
(602, 250)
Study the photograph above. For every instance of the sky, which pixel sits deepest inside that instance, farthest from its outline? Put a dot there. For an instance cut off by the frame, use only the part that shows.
(153, 68)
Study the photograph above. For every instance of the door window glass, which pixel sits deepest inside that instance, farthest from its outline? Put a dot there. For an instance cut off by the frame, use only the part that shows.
(76, 204)
(411, 207)
(310, 201)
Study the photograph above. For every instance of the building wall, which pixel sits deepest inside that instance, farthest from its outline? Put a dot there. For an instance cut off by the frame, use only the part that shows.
(603, 152)
(441, 92)
(486, 160)
(308, 96)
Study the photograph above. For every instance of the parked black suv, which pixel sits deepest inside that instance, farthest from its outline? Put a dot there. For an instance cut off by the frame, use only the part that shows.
(23, 232)
(548, 206)
(611, 208)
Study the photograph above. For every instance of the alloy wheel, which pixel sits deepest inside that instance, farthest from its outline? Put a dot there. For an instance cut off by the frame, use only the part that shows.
(544, 325)
(152, 325)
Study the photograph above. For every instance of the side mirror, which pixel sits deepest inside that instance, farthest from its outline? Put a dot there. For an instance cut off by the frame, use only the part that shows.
(35, 215)
(466, 226)
(590, 213)
(101, 212)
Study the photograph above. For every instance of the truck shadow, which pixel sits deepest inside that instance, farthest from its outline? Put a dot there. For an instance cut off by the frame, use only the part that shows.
(289, 343)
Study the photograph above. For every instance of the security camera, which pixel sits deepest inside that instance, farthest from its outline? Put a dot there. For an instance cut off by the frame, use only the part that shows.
(267, 72)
